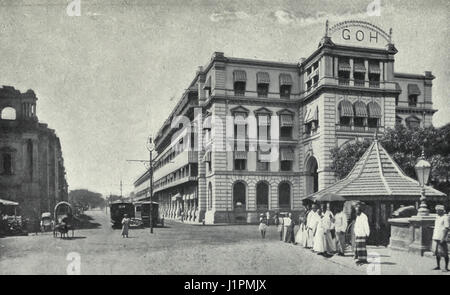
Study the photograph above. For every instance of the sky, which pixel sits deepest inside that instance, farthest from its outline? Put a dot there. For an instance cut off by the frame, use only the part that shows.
(107, 79)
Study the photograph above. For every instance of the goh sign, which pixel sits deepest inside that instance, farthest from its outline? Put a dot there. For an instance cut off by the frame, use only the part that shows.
(359, 33)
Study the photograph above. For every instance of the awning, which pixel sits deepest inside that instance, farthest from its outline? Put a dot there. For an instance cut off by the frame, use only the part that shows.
(239, 76)
(240, 155)
(359, 67)
(374, 110)
(8, 203)
(207, 84)
(263, 156)
(207, 156)
(360, 109)
(344, 65)
(286, 121)
(413, 89)
(262, 78)
(346, 108)
(312, 114)
(374, 68)
(263, 120)
(285, 79)
(286, 154)
(175, 197)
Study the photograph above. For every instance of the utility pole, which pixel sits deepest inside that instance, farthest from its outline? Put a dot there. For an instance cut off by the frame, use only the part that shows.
(150, 147)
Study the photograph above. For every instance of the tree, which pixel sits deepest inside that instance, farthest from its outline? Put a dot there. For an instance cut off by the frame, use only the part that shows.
(87, 198)
(405, 147)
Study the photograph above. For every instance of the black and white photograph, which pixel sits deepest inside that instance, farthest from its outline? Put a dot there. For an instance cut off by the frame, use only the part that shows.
(224, 137)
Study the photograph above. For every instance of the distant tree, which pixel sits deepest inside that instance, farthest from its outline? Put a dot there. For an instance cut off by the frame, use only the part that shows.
(86, 198)
(405, 147)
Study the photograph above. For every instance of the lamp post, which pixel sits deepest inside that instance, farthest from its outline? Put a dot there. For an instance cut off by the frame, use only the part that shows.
(423, 168)
(150, 148)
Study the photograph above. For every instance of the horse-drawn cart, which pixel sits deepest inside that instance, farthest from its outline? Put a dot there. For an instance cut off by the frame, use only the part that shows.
(63, 220)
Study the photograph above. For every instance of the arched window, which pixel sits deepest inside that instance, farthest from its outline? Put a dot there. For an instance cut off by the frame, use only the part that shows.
(262, 196)
(284, 195)
(210, 196)
(312, 176)
(239, 193)
(8, 113)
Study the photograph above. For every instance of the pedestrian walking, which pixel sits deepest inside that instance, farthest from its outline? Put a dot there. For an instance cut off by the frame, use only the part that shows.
(319, 235)
(362, 232)
(301, 235)
(440, 247)
(263, 225)
(328, 221)
(340, 226)
(125, 226)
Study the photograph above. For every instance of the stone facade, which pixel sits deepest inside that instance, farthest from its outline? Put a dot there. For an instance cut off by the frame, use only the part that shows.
(338, 94)
(31, 164)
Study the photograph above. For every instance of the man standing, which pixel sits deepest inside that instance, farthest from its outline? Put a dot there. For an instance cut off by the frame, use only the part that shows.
(441, 226)
(340, 225)
(268, 217)
(289, 226)
(312, 221)
(362, 232)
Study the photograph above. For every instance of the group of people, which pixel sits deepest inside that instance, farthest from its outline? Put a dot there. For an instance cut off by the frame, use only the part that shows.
(323, 231)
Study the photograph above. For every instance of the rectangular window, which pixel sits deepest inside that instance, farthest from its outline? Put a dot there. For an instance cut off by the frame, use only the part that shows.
(286, 165)
(262, 166)
(286, 132)
(263, 90)
(239, 88)
(372, 122)
(412, 100)
(240, 164)
(285, 91)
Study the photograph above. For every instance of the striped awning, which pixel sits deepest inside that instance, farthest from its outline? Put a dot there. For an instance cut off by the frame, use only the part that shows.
(374, 110)
(286, 154)
(262, 78)
(263, 120)
(240, 155)
(359, 67)
(374, 68)
(207, 156)
(285, 79)
(312, 114)
(286, 120)
(360, 109)
(207, 84)
(413, 89)
(239, 76)
(263, 156)
(344, 65)
(346, 108)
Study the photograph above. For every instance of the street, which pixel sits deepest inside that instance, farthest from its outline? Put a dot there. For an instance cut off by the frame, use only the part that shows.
(188, 249)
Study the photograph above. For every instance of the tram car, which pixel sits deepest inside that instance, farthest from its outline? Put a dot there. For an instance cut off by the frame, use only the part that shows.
(118, 210)
(142, 211)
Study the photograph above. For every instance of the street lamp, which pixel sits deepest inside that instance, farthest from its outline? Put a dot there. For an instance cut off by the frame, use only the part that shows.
(423, 168)
(150, 147)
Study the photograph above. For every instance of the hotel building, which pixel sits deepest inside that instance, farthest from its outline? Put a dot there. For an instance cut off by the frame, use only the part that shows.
(346, 90)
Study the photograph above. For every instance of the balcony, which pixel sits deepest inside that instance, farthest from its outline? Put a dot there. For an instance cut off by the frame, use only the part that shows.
(358, 129)
(374, 84)
(344, 81)
(359, 83)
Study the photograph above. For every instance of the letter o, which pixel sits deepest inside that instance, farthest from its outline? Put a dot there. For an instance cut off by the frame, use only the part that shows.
(358, 35)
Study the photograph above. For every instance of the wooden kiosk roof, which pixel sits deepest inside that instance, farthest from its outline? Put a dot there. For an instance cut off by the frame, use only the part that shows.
(376, 176)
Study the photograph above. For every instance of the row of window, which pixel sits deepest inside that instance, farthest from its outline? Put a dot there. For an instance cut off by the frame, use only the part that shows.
(262, 82)
(358, 114)
(239, 191)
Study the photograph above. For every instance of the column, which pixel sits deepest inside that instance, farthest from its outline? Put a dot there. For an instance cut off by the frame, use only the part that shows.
(351, 72)
(366, 76)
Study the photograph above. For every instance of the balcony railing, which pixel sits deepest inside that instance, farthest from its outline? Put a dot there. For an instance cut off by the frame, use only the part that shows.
(344, 81)
(359, 83)
(354, 128)
(374, 84)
